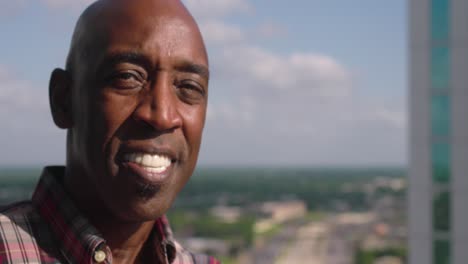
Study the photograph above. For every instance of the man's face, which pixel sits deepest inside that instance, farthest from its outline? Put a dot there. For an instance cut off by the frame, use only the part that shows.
(139, 101)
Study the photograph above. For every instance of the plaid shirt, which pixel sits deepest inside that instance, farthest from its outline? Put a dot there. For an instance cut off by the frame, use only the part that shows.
(49, 229)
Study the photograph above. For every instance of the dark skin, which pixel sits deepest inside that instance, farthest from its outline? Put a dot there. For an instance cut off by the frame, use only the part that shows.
(136, 82)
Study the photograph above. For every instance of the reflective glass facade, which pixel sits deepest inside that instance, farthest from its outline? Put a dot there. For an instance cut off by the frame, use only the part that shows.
(438, 122)
(440, 112)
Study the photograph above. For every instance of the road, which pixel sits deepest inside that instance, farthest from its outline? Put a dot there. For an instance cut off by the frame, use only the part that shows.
(323, 242)
(271, 250)
(310, 244)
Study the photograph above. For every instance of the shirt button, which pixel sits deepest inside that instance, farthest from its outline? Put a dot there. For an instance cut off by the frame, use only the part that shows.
(99, 256)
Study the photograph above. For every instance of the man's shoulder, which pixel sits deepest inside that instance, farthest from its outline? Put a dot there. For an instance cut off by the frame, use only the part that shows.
(18, 213)
(18, 221)
(24, 235)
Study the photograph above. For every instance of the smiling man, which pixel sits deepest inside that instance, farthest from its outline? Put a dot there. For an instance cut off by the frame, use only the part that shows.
(133, 99)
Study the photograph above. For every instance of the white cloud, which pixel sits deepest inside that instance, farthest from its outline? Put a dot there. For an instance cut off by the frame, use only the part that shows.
(19, 95)
(217, 32)
(234, 113)
(296, 108)
(292, 131)
(28, 133)
(318, 74)
(203, 9)
(395, 118)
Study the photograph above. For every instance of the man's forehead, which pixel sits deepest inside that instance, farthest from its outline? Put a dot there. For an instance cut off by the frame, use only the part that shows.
(156, 39)
(139, 25)
(150, 29)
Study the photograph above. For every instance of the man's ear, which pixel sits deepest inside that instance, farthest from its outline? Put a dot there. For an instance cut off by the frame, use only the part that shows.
(60, 98)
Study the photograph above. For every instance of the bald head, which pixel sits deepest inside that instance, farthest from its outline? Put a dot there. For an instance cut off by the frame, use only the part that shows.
(136, 82)
(105, 17)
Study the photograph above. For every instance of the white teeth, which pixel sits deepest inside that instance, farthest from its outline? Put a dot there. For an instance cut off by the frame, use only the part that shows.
(147, 161)
(156, 170)
(152, 163)
(137, 158)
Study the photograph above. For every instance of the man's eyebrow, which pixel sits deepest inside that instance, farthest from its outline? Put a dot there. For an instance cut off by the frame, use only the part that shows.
(193, 68)
(127, 56)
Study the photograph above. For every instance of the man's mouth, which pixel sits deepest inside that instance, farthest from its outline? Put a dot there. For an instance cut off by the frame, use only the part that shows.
(152, 163)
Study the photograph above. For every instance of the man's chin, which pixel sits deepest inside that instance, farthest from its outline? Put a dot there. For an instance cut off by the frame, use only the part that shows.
(147, 191)
(143, 210)
(139, 195)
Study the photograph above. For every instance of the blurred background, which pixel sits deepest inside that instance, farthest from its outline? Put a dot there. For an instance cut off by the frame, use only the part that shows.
(305, 154)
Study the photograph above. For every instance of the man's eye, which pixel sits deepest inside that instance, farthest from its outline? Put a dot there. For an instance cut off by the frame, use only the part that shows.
(126, 80)
(190, 91)
(126, 76)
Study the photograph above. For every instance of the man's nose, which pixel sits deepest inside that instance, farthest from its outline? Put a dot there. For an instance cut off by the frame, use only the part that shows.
(158, 108)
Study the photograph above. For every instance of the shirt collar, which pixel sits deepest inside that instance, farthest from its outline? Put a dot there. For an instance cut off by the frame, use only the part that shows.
(77, 238)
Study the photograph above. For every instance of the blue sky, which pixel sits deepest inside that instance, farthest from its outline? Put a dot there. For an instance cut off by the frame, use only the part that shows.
(305, 82)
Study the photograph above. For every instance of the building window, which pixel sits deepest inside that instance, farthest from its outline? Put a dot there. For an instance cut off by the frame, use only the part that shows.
(440, 113)
(441, 212)
(440, 21)
(441, 162)
(441, 252)
(440, 67)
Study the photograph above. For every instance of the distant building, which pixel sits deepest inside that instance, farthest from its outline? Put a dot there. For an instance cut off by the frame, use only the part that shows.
(356, 218)
(281, 212)
(438, 89)
(229, 214)
(273, 213)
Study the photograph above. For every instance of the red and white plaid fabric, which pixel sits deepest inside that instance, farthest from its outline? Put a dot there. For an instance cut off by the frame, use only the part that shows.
(49, 229)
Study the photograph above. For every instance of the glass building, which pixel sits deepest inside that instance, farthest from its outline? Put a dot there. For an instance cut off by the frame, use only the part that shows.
(438, 100)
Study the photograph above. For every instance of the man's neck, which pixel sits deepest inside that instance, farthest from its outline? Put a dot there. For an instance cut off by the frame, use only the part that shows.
(129, 242)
